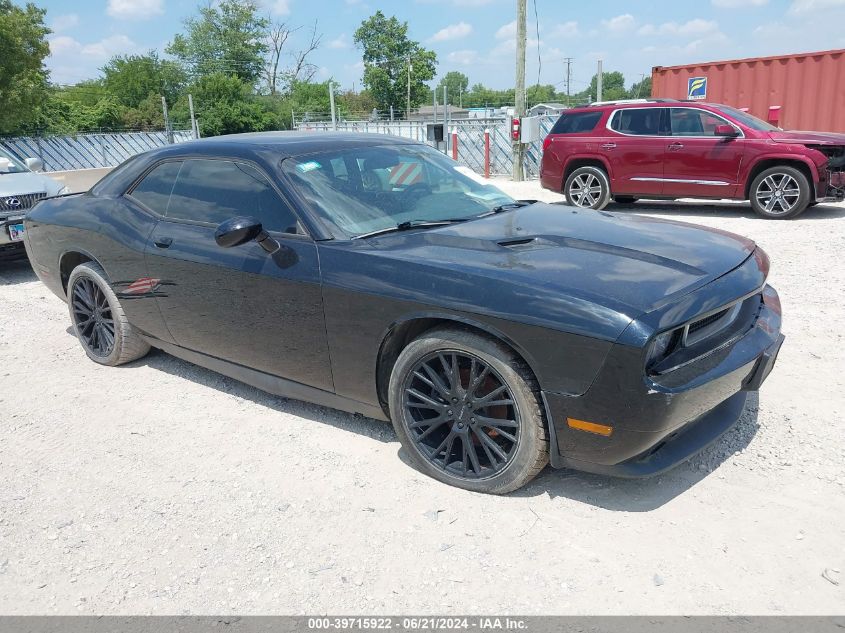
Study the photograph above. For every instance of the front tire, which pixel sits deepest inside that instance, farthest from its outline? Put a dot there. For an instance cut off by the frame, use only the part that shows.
(780, 193)
(588, 188)
(98, 319)
(467, 410)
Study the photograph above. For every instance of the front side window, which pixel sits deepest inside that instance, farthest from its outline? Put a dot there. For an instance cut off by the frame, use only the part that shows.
(215, 190)
(155, 188)
(576, 122)
(638, 121)
(367, 189)
(694, 122)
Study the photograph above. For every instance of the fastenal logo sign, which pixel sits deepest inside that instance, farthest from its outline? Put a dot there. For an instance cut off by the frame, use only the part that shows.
(697, 88)
(12, 203)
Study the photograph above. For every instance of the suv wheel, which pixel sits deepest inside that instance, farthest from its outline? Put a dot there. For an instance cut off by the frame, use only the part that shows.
(467, 411)
(780, 193)
(588, 188)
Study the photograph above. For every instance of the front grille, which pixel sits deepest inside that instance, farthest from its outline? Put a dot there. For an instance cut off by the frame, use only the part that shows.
(20, 202)
(695, 326)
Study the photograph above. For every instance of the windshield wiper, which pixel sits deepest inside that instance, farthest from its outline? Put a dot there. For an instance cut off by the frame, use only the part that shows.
(410, 224)
(507, 207)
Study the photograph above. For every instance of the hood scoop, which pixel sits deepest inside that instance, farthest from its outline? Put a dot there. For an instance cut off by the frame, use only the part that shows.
(526, 243)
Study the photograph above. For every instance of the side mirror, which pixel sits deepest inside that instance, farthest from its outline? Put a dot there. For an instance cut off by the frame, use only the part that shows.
(237, 231)
(34, 164)
(728, 131)
(241, 230)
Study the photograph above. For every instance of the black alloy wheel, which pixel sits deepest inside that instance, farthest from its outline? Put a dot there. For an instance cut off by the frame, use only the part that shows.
(461, 415)
(92, 316)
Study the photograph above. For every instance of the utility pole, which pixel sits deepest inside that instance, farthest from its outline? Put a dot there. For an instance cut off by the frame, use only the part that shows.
(568, 61)
(408, 111)
(194, 128)
(599, 81)
(445, 120)
(331, 102)
(519, 105)
(168, 130)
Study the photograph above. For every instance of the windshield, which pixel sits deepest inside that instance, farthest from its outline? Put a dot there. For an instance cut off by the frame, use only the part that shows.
(748, 120)
(9, 164)
(372, 188)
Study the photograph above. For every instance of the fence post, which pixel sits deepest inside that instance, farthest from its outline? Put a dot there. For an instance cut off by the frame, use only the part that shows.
(487, 152)
(454, 143)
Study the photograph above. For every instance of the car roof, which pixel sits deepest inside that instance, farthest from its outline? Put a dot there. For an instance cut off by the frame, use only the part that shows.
(653, 103)
(290, 144)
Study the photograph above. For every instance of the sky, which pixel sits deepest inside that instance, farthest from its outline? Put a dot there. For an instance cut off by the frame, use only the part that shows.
(476, 37)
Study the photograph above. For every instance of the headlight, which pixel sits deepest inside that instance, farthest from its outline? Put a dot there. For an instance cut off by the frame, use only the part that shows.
(661, 346)
(64, 190)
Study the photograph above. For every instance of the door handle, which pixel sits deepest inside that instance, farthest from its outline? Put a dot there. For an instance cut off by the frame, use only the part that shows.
(163, 242)
(608, 146)
(675, 146)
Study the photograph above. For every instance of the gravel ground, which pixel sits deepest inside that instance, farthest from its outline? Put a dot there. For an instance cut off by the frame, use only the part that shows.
(160, 487)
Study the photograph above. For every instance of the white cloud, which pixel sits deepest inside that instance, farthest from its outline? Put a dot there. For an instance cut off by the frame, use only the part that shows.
(134, 9)
(108, 47)
(738, 4)
(506, 31)
(620, 23)
(281, 7)
(808, 6)
(339, 42)
(64, 22)
(452, 32)
(463, 58)
(695, 27)
(565, 29)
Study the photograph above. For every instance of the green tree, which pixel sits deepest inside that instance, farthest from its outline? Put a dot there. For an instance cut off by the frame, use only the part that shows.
(387, 52)
(224, 105)
(23, 78)
(640, 89)
(131, 79)
(613, 86)
(228, 37)
(540, 94)
(456, 85)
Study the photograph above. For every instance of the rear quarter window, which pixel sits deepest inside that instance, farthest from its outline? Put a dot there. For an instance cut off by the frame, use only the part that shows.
(577, 122)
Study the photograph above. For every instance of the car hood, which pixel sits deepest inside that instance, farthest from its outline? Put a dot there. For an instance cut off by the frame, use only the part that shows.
(808, 138)
(632, 264)
(27, 182)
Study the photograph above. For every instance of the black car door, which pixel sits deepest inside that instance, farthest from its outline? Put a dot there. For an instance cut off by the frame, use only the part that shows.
(239, 304)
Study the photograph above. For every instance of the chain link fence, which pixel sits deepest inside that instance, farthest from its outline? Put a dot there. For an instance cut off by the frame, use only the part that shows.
(470, 140)
(87, 151)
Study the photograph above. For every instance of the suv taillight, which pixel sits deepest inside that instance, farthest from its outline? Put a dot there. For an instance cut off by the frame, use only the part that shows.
(546, 142)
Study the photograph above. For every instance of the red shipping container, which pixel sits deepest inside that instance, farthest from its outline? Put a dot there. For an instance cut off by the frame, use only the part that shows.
(795, 92)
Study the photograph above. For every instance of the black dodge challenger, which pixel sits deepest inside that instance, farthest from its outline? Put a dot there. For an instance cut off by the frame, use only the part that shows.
(374, 275)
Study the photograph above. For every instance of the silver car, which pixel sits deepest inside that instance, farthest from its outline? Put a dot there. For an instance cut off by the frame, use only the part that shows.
(20, 188)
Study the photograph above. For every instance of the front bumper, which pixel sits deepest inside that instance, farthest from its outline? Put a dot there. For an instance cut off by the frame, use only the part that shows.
(659, 425)
(7, 246)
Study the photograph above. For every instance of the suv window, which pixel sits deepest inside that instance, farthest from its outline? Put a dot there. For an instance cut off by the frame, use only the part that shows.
(215, 190)
(155, 189)
(693, 122)
(638, 121)
(576, 122)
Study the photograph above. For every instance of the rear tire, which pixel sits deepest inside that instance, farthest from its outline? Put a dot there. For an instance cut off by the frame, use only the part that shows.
(453, 431)
(624, 199)
(588, 188)
(780, 193)
(98, 319)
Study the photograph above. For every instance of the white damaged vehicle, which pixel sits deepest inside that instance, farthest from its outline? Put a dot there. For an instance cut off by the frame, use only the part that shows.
(20, 188)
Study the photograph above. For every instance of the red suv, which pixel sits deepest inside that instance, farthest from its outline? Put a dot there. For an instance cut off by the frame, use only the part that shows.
(626, 150)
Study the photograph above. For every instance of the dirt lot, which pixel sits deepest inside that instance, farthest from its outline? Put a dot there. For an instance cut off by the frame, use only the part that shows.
(160, 487)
